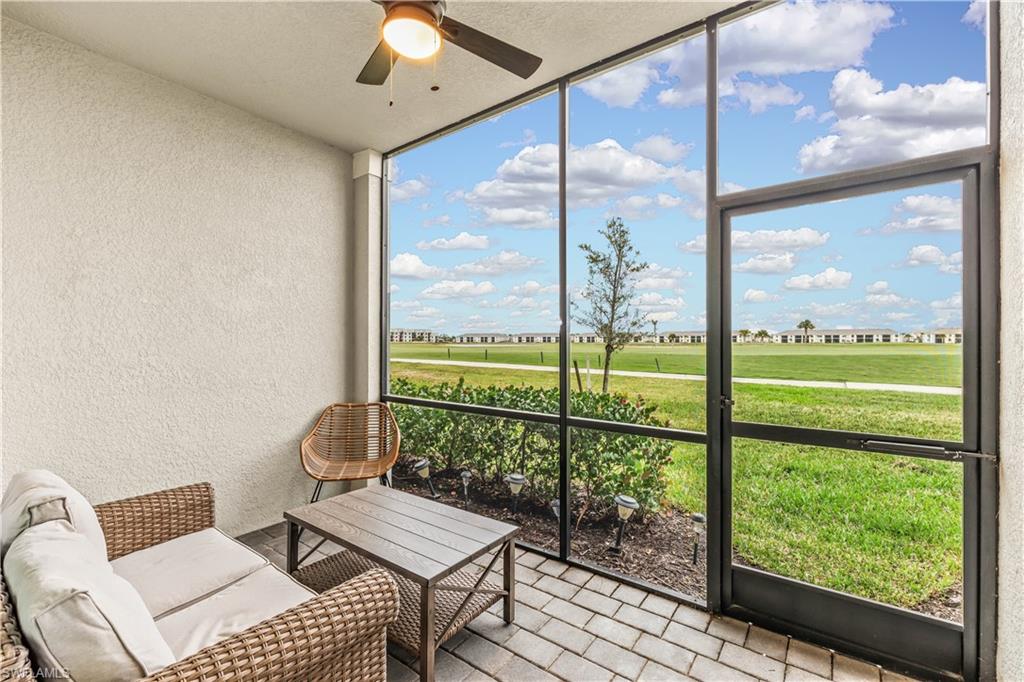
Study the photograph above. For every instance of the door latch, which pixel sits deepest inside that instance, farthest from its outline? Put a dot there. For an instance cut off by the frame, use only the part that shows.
(726, 402)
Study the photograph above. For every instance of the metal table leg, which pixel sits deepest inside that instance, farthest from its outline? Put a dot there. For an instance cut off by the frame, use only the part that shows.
(293, 547)
(509, 575)
(427, 650)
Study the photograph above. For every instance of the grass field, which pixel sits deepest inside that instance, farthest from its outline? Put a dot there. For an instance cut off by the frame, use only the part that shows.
(890, 363)
(882, 527)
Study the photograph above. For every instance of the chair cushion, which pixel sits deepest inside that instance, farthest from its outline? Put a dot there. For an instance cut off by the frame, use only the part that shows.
(38, 496)
(253, 599)
(176, 573)
(77, 616)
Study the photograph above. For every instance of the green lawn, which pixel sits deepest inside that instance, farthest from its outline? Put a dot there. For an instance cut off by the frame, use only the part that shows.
(890, 363)
(882, 527)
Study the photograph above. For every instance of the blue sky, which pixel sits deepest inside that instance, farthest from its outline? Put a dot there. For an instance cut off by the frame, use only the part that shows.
(807, 89)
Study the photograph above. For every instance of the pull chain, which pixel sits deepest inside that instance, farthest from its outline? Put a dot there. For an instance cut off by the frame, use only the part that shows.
(391, 79)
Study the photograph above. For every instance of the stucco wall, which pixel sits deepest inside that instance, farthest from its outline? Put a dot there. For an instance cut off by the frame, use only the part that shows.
(173, 283)
(1010, 658)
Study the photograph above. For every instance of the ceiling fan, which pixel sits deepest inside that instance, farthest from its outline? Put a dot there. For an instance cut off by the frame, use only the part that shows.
(415, 29)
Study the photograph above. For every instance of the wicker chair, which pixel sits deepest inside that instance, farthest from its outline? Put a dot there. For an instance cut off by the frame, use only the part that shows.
(351, 442)
(339, 635)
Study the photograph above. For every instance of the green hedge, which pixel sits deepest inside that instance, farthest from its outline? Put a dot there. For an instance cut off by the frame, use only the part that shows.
(603, 464)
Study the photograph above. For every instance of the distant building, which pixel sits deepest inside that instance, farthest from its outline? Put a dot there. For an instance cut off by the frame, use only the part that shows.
(412, 335)
(950, 335)
(838, 336)
(700, 336)
(584, 337)
(482, 338)
(534, 337)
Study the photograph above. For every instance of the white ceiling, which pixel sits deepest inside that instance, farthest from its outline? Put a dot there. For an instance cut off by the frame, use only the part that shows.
(296, 62)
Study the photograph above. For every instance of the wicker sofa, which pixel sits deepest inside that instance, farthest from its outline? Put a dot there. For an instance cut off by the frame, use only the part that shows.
(340, 634)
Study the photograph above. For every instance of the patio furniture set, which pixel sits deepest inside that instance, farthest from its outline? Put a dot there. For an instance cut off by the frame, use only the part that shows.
(149, 588)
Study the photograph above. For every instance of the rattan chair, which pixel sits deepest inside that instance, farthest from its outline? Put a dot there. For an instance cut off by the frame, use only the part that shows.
(351, 442)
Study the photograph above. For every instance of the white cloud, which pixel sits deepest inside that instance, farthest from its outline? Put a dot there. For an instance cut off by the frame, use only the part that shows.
(411, 266)
(768, 263)
(426, 312)
(925, 213)
(624, 86)
(976, 14)
(461, 241)
(663, 316)
(889, 300)
(529, 137)
(897, 316)
(660, 277)
(876, 126)
(443, 219)
(759, 296)
(524, 191)
(410, 189)
(879, 287)
(788, 39)
(643, 207)
(653, 301)
(829, 278)
(804, 112)
(759, 96)
(393, 288)
(448, 288)
(662, 148)
(532, 288)
(766, 241)
(501, 263)
(948, 311)
(929, 254)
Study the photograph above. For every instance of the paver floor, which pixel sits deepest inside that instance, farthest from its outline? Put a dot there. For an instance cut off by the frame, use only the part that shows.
(574, 625)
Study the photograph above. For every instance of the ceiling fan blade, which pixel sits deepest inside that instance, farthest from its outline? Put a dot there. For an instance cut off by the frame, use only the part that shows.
(508, 57)
(378, 66)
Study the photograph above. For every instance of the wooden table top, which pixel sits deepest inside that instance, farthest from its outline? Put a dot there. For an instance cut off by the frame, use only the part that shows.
(421, 539)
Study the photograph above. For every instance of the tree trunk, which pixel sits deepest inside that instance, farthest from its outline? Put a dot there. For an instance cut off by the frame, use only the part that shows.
(608, 350)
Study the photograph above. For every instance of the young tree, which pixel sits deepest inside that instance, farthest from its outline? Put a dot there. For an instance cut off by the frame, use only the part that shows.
(610, 291)
(807, 326)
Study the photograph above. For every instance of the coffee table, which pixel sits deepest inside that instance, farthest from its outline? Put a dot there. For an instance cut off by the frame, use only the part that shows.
(430, 548)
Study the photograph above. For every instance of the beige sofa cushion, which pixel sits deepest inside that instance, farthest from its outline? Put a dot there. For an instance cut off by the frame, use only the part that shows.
(176, 573)
(253, 599)
(76, 614)
(38, 496)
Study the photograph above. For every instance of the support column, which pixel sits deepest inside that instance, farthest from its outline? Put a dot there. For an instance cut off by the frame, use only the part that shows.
(362, 332)
(364, 300)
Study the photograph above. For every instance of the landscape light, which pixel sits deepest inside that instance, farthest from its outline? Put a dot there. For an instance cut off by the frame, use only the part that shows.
(465, 476)
(422, 469)
(698, 528)
(556, 508)
(515, 484)
(625, 505)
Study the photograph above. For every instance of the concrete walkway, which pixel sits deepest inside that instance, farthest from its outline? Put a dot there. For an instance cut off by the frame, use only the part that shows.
(850, 385)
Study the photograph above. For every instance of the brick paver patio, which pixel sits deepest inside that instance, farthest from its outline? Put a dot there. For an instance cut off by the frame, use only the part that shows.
(577, 626)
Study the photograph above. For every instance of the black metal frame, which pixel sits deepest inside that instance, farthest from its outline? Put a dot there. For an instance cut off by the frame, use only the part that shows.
(898, 638)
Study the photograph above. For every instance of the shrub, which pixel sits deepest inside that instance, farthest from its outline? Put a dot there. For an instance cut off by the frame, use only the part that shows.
(603, 464)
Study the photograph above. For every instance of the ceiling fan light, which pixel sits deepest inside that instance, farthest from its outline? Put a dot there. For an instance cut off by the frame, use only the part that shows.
(411, 31)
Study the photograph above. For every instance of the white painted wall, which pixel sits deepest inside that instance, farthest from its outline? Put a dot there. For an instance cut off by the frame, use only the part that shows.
(173, 283)
(1010, 656)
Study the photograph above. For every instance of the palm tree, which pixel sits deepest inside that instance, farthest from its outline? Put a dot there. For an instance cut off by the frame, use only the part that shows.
(807, 326)
(673, 337)
(762, 334)
(654, 323)
(744, 333)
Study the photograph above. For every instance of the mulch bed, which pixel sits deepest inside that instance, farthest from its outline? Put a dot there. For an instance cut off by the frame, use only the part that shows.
(659, 550)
